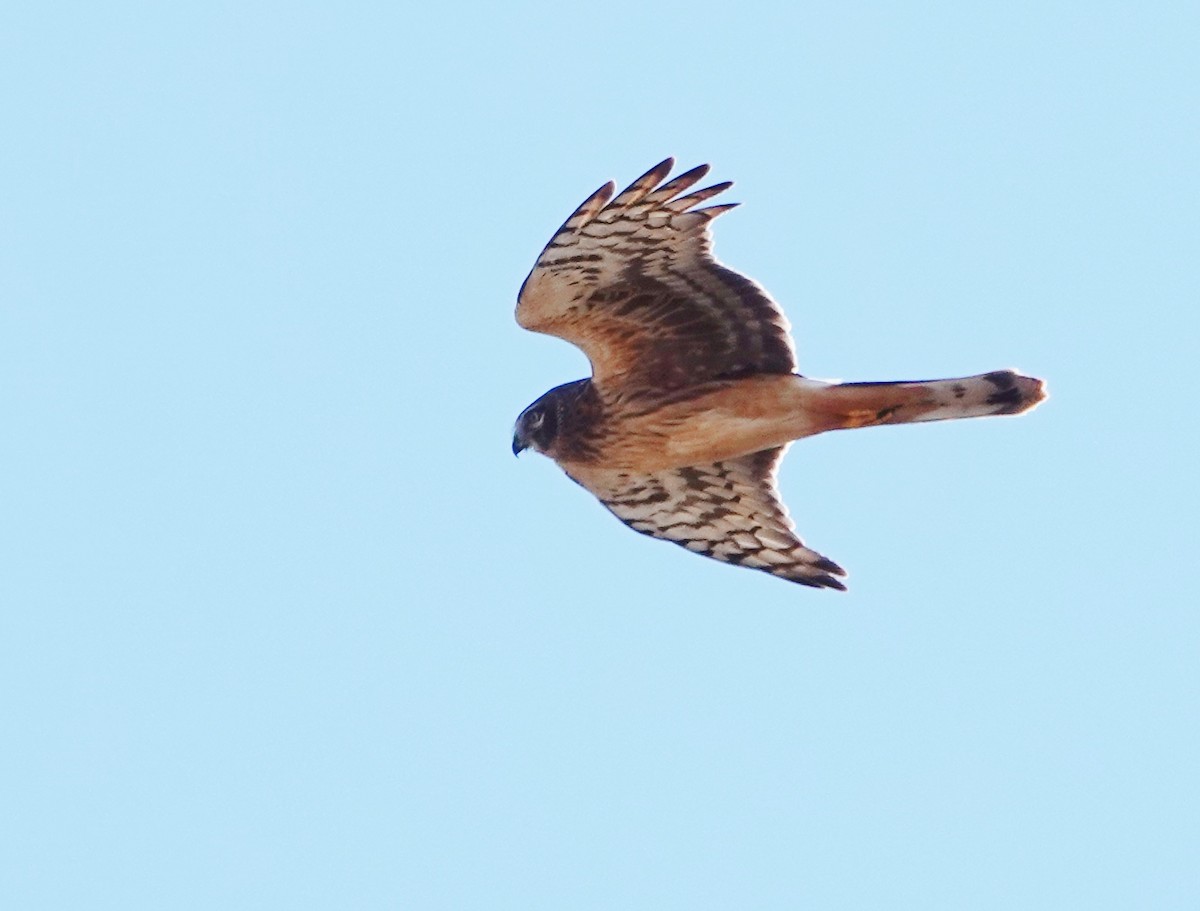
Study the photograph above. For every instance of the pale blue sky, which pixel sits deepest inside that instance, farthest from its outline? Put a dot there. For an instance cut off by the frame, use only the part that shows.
(283, 624)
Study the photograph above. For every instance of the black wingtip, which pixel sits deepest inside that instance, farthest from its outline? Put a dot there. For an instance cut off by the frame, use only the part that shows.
(656, 174)
(697, 173)
(818, 581)
(829, 566)
(830, 582)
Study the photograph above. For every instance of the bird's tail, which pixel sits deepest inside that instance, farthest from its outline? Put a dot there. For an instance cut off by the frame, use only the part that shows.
(869, 404)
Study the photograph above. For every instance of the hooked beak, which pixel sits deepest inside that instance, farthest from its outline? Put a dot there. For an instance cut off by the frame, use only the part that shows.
(519, 445)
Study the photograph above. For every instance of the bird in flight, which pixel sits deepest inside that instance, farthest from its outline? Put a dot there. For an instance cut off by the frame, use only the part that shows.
(694, 393)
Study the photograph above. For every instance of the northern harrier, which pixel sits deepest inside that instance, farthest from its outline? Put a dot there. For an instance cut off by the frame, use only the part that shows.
(693, 395)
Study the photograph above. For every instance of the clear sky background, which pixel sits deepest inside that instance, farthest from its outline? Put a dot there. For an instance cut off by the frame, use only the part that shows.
(285, 625)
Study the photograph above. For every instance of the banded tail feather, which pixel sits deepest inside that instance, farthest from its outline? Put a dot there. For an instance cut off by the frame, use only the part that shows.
(1001, 392)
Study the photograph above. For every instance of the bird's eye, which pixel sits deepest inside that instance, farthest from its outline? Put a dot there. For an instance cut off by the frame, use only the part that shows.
(536, 418)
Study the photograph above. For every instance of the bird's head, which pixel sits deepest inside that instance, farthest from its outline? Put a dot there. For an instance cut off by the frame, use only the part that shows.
(537, 427)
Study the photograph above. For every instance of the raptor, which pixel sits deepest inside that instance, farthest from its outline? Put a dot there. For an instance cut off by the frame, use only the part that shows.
(694, 393)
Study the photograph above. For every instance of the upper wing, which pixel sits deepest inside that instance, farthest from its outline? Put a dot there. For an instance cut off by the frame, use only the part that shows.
(729, 511)
(633, 282)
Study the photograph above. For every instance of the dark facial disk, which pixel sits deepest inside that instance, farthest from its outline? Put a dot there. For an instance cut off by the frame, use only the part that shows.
(538, 425)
